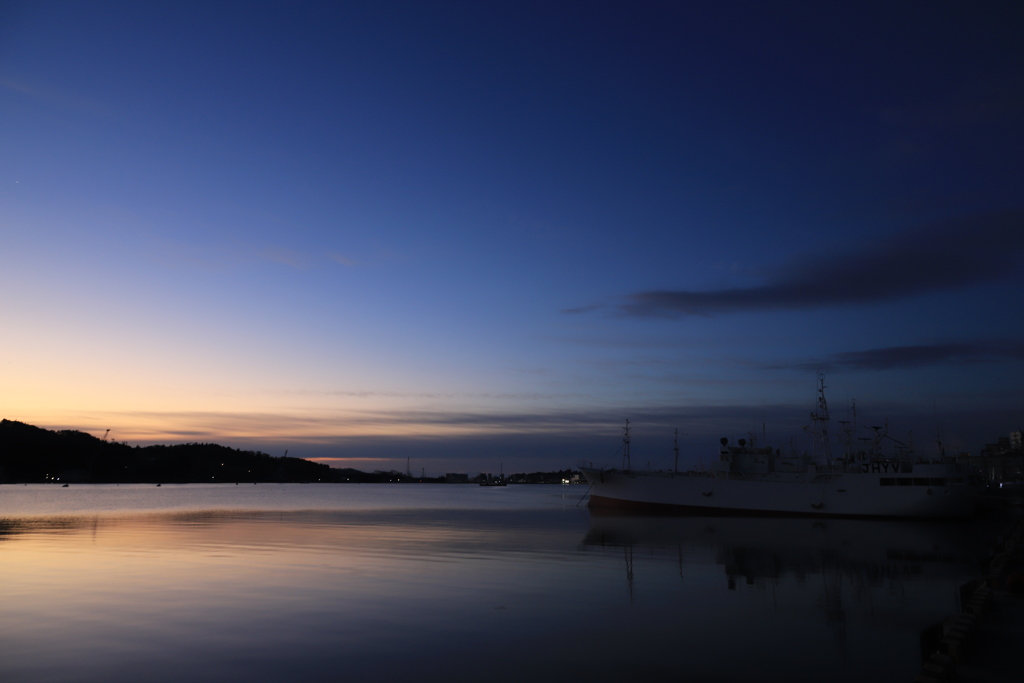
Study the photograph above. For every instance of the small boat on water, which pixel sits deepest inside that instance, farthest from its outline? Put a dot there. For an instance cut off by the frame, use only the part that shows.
(751, 479)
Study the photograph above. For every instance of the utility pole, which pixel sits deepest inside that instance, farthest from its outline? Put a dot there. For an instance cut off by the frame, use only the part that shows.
(625, 448)
(676, 449)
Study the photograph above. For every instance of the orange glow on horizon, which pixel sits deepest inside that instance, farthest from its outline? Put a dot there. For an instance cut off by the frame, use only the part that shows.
(311, 428)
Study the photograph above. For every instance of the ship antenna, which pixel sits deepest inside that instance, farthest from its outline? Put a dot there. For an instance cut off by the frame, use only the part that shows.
(625, 448)
(938, 432)
(853, 413)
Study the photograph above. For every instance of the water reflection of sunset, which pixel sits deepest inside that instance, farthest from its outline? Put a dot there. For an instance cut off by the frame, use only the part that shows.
(218, 582)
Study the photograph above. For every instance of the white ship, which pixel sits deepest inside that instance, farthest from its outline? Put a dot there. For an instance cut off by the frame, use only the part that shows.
(748, 479)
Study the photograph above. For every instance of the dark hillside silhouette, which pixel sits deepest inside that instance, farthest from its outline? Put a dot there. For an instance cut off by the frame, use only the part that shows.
(30, 454)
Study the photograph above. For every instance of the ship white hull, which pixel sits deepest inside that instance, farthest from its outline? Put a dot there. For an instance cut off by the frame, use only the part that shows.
(846, 494)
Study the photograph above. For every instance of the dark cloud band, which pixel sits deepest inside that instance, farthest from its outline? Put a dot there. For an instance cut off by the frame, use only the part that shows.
(952, 255)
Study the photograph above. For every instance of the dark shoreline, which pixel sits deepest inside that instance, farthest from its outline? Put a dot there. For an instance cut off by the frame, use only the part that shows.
(33, 455)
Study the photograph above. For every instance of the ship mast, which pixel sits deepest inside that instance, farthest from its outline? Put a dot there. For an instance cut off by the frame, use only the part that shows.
(820, 421)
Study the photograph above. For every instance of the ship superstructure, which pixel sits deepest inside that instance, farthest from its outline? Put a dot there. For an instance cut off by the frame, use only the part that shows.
(750, 478)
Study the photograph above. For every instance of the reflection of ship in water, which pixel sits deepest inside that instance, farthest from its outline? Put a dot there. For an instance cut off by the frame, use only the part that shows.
(841, 560)
(755, 548)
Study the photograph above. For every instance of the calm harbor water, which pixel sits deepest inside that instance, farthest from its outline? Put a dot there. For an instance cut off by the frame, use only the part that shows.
(454, 583)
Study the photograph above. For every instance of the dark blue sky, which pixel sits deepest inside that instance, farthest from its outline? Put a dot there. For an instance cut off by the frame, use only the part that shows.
(457, 230)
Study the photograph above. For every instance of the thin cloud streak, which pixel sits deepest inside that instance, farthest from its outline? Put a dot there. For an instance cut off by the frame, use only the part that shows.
(283, 256)
(332, 459)
(341, 259)
(916, 356)
(582, 309)
(532, 440)
(952, 255)
(53, 97)
(393, 426)
(481, 396)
